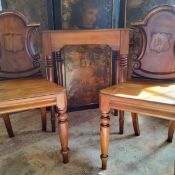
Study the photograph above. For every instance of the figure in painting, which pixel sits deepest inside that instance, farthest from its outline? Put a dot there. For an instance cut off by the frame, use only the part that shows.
(85, 14)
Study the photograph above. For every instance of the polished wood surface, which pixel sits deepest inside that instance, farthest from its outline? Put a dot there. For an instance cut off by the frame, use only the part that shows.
(148, 97)
(18, 58)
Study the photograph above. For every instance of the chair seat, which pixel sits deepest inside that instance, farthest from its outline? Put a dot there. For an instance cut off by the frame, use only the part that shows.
(17, 95)
(147, 98)
(144, 91)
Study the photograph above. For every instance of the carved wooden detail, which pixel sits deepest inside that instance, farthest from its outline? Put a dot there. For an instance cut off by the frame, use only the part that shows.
(18, 58)
(156, 59)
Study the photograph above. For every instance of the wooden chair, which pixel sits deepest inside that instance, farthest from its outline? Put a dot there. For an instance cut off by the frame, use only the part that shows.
(150, 88)
(18, 61)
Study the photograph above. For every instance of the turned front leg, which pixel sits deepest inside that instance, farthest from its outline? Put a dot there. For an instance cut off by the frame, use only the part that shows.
(63, 134)
(104, 129)
(63, 124)
(104, 139)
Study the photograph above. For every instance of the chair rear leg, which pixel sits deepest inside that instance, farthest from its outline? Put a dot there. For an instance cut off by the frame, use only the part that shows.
(43, 118)
(171, 131)
(53, 118)
(115, 112)
(135, 123)
(121, 122)
(8, 125)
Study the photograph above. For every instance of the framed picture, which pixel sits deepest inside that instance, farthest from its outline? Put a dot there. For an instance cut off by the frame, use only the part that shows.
(86, 70)
(85, 14)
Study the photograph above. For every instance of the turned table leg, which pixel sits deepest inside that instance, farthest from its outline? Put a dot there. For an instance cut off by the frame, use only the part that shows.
(171, 131)
(8, 125)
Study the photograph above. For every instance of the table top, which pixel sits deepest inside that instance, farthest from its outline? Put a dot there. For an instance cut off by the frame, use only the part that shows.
(147, 91)
(23, 89)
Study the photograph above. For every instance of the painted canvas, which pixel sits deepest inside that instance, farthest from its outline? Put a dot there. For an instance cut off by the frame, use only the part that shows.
(87, 69)
(137, 9)
(88, 14)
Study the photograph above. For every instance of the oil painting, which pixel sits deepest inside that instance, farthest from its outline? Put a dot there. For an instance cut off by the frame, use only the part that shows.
(87, 69)
(87, 14)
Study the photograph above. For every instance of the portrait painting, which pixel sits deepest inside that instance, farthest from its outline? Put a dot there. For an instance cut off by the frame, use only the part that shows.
(87, 69)
(87, 14)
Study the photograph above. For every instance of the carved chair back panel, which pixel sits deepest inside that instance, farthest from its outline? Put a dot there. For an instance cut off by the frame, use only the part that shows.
(157, 59)
(17, 56)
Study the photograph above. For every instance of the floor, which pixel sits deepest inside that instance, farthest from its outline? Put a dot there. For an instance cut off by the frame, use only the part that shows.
(32, 151)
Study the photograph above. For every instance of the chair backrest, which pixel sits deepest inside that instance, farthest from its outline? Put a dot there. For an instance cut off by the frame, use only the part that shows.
(157, 56)
(17, 55)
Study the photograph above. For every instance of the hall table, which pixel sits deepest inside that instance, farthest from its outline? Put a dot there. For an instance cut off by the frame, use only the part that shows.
(116, 39)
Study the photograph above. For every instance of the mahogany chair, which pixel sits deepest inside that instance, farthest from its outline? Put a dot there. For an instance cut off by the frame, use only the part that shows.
(149, 88)
(21, 86)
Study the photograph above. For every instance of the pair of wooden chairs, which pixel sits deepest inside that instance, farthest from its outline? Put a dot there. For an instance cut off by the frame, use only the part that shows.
(155, 61)
(25, 89)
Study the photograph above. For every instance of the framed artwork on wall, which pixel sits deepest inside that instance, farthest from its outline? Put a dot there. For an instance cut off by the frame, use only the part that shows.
(85, 14)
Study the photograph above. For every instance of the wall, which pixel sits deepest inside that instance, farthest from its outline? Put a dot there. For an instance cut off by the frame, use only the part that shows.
(137, 9)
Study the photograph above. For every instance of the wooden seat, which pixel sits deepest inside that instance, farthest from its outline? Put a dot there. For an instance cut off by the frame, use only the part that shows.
(139, 93)
(25, 88)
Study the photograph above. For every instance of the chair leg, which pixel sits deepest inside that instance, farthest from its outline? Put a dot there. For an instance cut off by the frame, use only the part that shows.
(135, 123)
(121, 122)
(115, 112)
(43, 118)
(8, 125)
(171, 131)
(104, 138)
(53, 118)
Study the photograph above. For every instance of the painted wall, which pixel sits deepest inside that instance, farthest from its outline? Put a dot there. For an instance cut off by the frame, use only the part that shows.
(137, 9)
